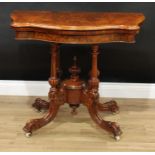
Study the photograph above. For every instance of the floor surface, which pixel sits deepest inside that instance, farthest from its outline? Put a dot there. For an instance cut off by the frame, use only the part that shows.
(77, 133)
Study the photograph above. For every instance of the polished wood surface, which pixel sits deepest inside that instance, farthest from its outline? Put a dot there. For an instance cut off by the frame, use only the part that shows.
(81, 28)
(77, 20)
(77, 132)
(77, 27)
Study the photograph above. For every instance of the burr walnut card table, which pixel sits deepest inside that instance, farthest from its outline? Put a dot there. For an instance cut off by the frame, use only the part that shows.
(93, 28)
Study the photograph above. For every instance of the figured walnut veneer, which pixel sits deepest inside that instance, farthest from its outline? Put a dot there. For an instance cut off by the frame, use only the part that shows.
(75, 28)
(68, 27)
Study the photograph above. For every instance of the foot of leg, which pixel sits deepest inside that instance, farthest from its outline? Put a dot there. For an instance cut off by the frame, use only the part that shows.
(40, 105)
(108, 106)
(35, 124)
(28, 134)
(112, 127)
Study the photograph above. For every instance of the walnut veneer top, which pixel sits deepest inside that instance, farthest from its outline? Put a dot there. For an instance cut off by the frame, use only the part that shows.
(77, 20)
(76, 27)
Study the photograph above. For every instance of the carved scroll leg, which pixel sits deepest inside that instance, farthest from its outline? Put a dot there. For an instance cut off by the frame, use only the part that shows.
(35, 124)
(40, 105)
(111, 127)
(108, 106)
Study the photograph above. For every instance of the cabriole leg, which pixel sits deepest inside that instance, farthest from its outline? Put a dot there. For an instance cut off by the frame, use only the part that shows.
(35, 124)
(111, 127)
(54, 97)
(91, 99)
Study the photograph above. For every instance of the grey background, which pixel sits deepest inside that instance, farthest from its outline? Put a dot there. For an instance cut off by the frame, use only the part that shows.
(118, 62)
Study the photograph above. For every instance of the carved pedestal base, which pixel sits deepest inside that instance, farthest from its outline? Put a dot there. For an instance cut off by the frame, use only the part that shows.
(88, 100)
(74, 92)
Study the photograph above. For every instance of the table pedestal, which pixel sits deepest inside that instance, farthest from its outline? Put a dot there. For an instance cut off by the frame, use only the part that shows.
(74, 92)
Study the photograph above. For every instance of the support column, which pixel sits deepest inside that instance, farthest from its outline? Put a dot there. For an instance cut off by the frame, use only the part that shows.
(94, 81)
(53, 80)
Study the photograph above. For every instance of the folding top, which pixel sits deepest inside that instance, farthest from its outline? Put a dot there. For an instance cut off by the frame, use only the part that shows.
(77, 20)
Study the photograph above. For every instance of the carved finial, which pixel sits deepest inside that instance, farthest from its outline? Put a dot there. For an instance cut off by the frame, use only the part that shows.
(74, 70)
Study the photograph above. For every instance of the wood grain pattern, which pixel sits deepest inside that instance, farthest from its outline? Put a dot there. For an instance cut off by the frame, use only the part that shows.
(77, 20)
(78, 132)
(79, 28)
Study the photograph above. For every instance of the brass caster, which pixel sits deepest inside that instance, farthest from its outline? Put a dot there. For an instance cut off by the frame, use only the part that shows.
(117, 138)
(28, 134)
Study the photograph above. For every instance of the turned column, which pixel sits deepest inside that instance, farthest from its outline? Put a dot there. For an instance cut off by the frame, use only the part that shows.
(94, 81)
(58, 70)
(53, 80)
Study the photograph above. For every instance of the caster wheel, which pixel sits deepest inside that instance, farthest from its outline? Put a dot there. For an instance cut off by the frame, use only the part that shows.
(117, 138)
(28, 134)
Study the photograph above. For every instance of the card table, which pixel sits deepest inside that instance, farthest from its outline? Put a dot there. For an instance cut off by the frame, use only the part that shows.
(93, 28)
